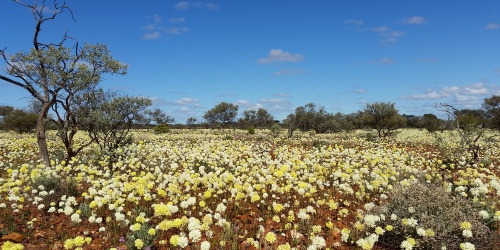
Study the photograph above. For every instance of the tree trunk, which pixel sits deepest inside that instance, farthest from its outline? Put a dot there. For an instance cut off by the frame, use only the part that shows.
(43, 150)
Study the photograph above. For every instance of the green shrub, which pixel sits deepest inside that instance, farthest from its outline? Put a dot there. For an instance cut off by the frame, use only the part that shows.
(437, 217)
(275, 130)
(162, 129)
(56, 187)
(142, 234)
(251, 130)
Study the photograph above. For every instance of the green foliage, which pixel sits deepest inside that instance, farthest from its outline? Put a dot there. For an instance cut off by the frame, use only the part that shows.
(491, 106)
(431, 123)
(54, 74)
(85, 210)
(191, 121)
(251, 130)
(158, 116)
(161, 129)
(222, 113)
(142, 234)
(384, 117)
(434, 209)
(310, 118)
(275, 131)
(108, 117)
(19, 120)
(56, 187)
(469, 125)
(259, 118)
(5, 110)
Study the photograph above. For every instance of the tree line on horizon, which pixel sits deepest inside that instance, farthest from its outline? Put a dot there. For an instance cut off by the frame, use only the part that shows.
(381, 116)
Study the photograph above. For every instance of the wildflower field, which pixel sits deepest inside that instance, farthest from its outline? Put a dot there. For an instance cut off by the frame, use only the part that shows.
(227, 189)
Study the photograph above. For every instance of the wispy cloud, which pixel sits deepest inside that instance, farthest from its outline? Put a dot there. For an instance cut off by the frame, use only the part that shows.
(278, 55)
(429, 95)
(289, 72)
(497, 71)
(177, 20)
(186, 101)
(359, 91)
(156, 29)
(384, 60)
(415, 20)
(185, 5)
(388, 35)
(492, 26)
(476, 89)
(151, 35)
(468, 96)
(354, 21)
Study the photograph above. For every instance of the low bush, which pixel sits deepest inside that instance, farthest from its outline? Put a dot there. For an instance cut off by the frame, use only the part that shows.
(426, 216)
(162, 129)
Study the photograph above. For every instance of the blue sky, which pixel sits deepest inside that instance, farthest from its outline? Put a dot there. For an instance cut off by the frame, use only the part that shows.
(189, 56)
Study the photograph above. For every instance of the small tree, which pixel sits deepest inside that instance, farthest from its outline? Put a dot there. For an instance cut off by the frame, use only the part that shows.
(191, 121)
(469, 126)
(384, 117)
(54, 74)
(20, 121)
(223, 113)
(4, 111)
(257, 118)
(108, 117)
(158, 116)
(491, 106)
(431, 123)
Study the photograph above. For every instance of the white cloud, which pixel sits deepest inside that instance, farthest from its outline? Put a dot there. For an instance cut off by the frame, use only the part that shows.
(157, 18)
(155, 29)
(392, 33)
(186, 101)
(277, 55)
(451, 90)
(467, 96)
(431, 95)
(384, 60)
(289, 72)
(177, 20)
(185, 5)
(354, 21)
(380, 29)
(415, 20)
(175, 30)
(152, 35)
(243, 103)
(182, 5)
(359, 91)
(390, 36)
(476, 89)
(389, 40)
(492, 26)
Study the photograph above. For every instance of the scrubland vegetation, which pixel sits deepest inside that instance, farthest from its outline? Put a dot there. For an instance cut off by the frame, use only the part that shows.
(229, 189)
(87, 178)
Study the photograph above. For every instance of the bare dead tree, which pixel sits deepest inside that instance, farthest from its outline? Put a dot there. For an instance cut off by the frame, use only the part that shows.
(469, 133)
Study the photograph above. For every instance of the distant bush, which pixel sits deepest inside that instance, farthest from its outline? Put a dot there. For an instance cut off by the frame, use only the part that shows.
(162, 129)
(20, 121)
(275, 130)
(251, 130)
